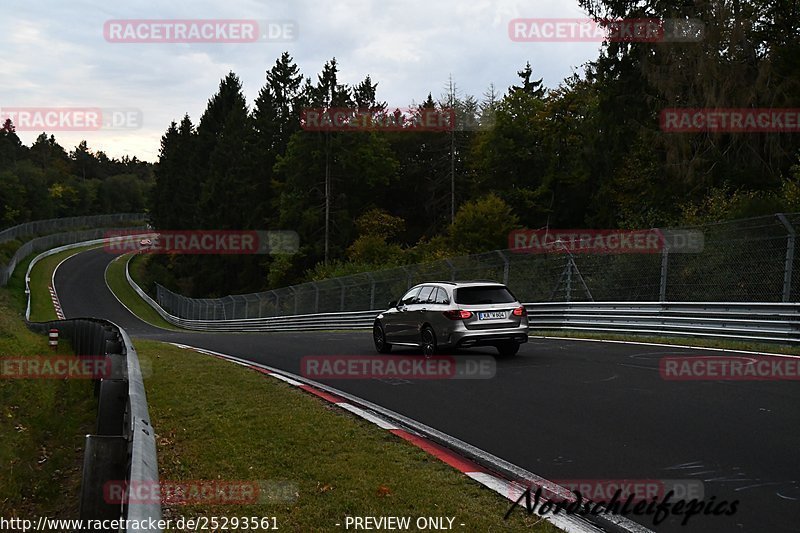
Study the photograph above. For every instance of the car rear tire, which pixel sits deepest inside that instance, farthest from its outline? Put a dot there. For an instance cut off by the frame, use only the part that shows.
(379, 337)
(508, 349)
(428, 341)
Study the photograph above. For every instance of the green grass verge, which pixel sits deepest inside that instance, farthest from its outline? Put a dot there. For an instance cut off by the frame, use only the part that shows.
(42, 273)
(118, 283)
(687, 341)
(15, 288)
(138, 267)
(218, 421)
(42, 428)
(41, 304)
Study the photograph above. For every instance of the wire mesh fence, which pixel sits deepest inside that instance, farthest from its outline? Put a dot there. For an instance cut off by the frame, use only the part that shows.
(749, 260)
(56, 225)
(51, 241)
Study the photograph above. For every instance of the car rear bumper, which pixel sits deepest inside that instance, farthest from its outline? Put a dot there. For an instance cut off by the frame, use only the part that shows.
(467, 339)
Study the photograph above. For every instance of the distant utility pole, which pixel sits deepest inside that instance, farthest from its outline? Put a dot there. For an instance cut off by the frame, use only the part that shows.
(451, 91)
(327, 194)
(452, 176)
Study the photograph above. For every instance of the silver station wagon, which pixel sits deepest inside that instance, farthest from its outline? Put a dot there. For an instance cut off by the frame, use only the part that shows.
(452, 315)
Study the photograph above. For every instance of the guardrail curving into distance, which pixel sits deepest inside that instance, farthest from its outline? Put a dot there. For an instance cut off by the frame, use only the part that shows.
(763, 322)
(46, 242)
(123, 448)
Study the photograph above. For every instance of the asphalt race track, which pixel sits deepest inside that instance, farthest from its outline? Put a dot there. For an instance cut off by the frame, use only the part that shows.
(565, 410)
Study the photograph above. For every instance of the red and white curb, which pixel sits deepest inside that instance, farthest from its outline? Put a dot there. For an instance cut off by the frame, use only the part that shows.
(56, 303)
(507, 489)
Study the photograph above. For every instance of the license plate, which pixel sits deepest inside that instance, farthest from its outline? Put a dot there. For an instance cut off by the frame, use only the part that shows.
(491, 315)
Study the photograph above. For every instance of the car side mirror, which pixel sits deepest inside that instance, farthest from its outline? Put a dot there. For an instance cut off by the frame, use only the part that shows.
(393, 303)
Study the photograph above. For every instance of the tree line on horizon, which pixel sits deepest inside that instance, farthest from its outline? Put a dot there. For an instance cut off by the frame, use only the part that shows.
(44, 181)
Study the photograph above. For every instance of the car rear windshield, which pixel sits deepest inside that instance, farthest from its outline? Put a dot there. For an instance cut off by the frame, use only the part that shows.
(483, 295)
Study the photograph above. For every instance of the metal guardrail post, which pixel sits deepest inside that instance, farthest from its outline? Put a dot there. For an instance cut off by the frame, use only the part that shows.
(371, 291)
(258, 305)
(662, 291)
(341, 299)
(169, 300)
(104, 459)
(294, 294)
(452, 270)
(506, 266)
(277, 302)
(569, 279)
(789, 261)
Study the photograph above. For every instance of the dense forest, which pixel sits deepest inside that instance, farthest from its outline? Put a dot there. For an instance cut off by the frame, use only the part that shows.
(588, 153)
(44, 181)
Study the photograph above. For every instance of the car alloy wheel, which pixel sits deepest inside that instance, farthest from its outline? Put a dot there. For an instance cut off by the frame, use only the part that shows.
(379, 337)
(428, 341)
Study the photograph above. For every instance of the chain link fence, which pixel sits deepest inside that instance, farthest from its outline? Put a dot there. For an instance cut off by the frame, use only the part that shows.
(51, 241)
(56, 225)
(749, 260)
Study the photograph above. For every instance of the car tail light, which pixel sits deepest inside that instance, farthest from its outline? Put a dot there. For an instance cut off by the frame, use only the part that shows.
(457, 314)
(519, 311)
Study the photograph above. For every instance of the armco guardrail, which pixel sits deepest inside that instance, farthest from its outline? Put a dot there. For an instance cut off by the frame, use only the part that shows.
(123, 446)
(768, 322)
(765, 322)
(317, 321)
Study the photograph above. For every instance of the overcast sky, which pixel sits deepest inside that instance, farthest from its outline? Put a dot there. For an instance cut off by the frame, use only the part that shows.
(55, 54)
